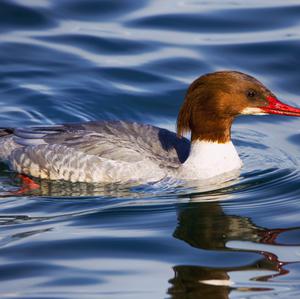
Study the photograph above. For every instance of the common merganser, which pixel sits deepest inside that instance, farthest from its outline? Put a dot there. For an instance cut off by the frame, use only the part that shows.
(117, 151)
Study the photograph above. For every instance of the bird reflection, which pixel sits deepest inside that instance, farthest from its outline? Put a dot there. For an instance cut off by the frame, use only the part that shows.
(206, 226)
(18, 186)
(203, 225)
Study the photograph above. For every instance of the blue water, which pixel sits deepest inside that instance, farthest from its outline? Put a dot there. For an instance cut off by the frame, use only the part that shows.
(78, 60)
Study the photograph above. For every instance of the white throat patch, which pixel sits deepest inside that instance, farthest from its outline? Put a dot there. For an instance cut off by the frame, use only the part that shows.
(210, 159)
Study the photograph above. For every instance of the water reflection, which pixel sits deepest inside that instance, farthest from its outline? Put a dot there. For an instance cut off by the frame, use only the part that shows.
(206, 226)
(204, 222)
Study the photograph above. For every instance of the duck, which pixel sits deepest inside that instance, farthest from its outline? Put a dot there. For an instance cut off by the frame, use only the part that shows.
(121, 152)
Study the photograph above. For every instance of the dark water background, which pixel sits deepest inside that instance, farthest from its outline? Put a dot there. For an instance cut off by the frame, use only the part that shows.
(77, 60)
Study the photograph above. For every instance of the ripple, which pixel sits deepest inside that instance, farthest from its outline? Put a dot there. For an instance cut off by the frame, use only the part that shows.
(66, 61)
(92, 9)
(111, 46)
(237, 20)
(13, 16)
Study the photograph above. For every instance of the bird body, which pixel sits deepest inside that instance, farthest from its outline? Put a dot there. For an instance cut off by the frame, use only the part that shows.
(117, 151)
(95, 152)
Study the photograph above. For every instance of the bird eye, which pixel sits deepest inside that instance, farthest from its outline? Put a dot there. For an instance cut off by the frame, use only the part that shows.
(251, 93)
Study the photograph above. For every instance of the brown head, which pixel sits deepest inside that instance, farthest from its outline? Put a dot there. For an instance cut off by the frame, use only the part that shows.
(214, 100)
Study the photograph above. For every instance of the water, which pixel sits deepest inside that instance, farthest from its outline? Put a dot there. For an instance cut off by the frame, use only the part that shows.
(68, 61)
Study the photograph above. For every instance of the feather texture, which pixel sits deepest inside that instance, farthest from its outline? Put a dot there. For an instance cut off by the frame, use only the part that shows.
(95, 151)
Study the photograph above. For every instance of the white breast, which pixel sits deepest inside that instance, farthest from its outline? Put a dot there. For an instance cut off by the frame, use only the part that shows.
(210, 159)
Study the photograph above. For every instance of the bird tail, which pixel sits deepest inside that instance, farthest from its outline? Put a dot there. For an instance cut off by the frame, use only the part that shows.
(6, 131)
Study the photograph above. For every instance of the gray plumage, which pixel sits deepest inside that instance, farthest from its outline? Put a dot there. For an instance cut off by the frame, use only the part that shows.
(94, 151)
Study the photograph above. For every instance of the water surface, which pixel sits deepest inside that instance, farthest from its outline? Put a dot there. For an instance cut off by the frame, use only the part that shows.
(69, 61)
